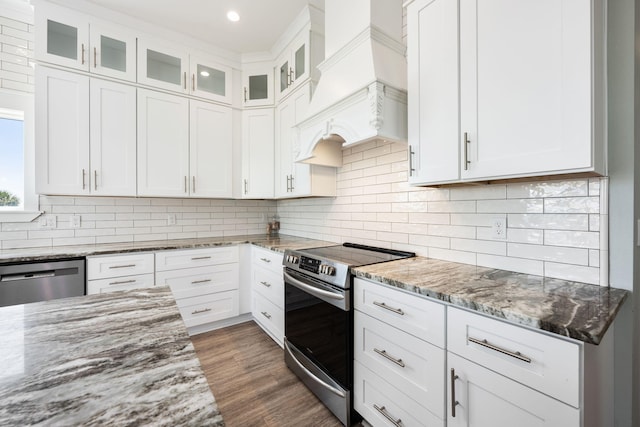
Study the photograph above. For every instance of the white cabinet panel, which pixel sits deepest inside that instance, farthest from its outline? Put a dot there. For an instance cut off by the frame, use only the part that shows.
(208, 308)
(163, 144)
(62, 132)
(126, 283)
(62, 37)
(100, 267)
(211, 150)
(113, 52)
(485, 398)
(193, 282)
(113, 139)
(209, 79)
(257, 85)
(257, 153)
(190, 258)
(269, 284)
(269, 316)
(162, 66)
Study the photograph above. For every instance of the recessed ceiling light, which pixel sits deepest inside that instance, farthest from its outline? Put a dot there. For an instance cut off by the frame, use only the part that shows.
(233, 16)
(204, 73)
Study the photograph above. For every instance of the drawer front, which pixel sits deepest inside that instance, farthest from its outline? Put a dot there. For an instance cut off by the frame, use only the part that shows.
(270, 285)
(208, 308)
(406, 362)
(120, 284)
(267, 259)
(192, 282)
(380, 402)
(102, 267)
(410, 313)
(268, 315)
(550, 365)
(189, 258)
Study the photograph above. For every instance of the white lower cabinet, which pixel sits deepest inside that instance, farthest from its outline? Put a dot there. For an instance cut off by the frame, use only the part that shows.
(111, 273)
(267, 292)
(485, 398)
(204, 282)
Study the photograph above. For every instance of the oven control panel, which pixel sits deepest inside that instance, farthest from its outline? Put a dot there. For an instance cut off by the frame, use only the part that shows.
(310, 264)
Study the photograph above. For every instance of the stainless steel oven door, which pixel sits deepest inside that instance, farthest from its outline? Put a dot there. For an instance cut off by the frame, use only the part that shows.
(319, 339)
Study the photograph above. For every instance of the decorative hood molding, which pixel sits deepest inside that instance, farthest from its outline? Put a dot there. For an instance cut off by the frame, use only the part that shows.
(361, 95)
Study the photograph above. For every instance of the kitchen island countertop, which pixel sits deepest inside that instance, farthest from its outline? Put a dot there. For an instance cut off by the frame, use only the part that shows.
(121, 358)
(576, 310)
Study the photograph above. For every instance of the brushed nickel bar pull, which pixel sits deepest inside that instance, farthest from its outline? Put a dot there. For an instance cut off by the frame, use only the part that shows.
(467, 162)
(201, 311)
(185, 80)
(193, 82)
(291, 74)
(386, 307)
(193, 188)
(84, 179)
(122, 282)
(82, 59)
(265, 314)
(195, 258)
(185, 184)
(122, 266)
(267, 284)
(383, 411)
(411, 168)
(245, 186)
(195, 282)
(384, 354)
(454, 402)
(245, 94)
(95, 179)
(292, 183)
(488, 345)
(95, 57)
(265, 259)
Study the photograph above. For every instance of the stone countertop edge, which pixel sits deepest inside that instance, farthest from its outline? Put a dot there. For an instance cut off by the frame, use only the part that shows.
(571, 309)
(274, 243)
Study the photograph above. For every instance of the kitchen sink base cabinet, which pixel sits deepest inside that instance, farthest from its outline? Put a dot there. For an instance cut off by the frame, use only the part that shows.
(491, 371)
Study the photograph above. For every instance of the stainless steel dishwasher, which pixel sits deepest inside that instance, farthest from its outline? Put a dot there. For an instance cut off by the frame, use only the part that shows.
(31, 282)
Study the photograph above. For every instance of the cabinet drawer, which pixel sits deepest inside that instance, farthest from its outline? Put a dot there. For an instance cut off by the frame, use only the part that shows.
(544, 363)
(406, 362)
(120, 284)
(208, 308)
(270, 285)
(269, 316)
(267, 259)
(379, 402)
(100, 267)
(410, 313)
(171, 260)
(192, 282)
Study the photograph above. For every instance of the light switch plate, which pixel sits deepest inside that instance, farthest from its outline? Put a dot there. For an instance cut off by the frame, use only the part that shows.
(171, 219)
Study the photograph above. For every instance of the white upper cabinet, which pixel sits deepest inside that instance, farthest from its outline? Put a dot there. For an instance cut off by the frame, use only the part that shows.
(293, 66)
(85, 135)
(257, 154)
(210, 151)
(65, 38)
(163, 144)
(503, 90)
(173, 68)
(257, 85)
(297, 179)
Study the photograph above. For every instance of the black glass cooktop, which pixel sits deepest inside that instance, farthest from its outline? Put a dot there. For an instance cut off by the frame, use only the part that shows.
(355, 255)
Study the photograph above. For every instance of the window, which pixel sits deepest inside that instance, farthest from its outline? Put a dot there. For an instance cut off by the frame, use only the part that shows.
(11, 159)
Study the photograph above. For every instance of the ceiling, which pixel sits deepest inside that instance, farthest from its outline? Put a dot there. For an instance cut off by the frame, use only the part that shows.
(261, 21)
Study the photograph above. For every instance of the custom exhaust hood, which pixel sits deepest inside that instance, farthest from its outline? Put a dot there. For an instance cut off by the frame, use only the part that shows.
(362, 91)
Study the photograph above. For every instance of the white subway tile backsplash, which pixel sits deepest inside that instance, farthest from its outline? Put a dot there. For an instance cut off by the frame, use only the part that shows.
(578, 222)
(454, 256)
(572, 205)
(567, 255)
(519, 265)
(452, 231)
(572, 272)
(492, 192)
(448, 206)
(480, 246)
(510, 206)
(577, 239)
(548, 189)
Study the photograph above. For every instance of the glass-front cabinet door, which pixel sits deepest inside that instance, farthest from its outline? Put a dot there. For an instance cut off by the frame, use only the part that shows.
(257, 86)
(162, 66)
(210, 80)
(292, 68)
(62, 39)
(113, 53)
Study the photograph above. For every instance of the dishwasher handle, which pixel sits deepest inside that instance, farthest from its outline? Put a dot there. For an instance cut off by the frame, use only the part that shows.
(27, 276)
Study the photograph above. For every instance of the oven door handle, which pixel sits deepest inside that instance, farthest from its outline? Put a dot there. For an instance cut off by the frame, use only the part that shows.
(311, 375)
(312, 289)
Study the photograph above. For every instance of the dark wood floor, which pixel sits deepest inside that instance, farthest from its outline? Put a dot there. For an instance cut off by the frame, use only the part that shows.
(252, 385)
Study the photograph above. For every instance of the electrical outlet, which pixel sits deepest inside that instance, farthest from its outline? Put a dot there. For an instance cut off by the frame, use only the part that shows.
(171, 219)
(74, 220)
(47, 222)
(499, 227)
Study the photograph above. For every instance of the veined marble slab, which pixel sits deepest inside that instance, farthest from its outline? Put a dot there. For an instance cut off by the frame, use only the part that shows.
(571, 309)
(274, 243)
(121, 358)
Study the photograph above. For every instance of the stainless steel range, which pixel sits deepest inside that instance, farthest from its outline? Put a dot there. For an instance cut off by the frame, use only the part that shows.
(319, 319)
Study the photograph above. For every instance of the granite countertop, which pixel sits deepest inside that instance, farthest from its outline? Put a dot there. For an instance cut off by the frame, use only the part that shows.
(576, 310)
(120, 358)
(274, 243)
